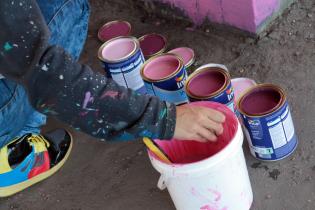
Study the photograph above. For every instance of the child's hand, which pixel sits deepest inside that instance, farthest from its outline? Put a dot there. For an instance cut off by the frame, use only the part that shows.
(198, 123)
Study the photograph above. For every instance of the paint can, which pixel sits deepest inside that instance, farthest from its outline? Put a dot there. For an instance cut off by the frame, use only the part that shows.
(122, 59)
(114, 29)
(152, 45)
(164, 76)
(267, 121)
(211, 83)
(206, 176)
(186, 54)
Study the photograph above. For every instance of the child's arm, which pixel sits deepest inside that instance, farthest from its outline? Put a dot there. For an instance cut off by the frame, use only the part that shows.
(60, 87)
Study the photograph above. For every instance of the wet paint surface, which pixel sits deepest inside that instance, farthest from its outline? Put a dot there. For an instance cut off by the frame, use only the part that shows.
(112, 30)
(260, 101)
(152, 44)
(183, 152)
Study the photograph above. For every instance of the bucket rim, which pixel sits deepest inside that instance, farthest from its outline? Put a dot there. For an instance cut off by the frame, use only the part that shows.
(165, 168)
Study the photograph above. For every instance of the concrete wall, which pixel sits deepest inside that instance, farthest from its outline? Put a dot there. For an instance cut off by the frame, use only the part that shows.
(249, 15)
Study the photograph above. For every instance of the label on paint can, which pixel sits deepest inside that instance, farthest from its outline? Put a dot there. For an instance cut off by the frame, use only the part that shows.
(170, 90)
(127, 73)
(271, 137)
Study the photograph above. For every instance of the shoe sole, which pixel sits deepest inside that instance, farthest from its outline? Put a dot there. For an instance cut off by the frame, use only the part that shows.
(13, 189)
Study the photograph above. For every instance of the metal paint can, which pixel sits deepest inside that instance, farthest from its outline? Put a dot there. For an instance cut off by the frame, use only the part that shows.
(164, 76)
(211, 83)
(114, 29)
(122, 59)
(185, 53)
(267, 121)
(152, 45)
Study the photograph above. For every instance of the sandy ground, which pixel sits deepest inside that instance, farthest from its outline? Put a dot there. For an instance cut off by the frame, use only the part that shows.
(118, 176)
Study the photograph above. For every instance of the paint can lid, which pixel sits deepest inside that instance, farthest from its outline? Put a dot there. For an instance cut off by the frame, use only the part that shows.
(152, 44)
(114, 29)
(186, 53)
(241, 85)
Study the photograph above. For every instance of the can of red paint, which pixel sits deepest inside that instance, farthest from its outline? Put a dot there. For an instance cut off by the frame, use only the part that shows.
(267, 121)
(210, 83)
(122, 59)
(152, 44)
(164, 76)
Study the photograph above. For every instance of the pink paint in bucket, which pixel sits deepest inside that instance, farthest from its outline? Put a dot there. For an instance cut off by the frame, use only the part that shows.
(187, 54)
(119, 49)
(161, 67)
(152, 44)
(261, 101)
(201, 174)
(114, 29)
(206, 83)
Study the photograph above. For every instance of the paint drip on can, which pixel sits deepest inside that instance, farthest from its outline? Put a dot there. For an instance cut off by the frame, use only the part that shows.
(122, 59)
(268, 123)
(164, 76)
(211, 83)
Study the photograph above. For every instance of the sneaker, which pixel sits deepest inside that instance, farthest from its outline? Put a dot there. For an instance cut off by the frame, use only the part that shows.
(31, 159)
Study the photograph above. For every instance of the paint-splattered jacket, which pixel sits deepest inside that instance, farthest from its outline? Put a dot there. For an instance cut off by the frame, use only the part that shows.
(60, 87)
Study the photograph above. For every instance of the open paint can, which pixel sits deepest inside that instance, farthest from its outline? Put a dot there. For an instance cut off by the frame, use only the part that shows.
(211, 84)
(152, 44)
(267, 121)
(206, 176)
(164, 76)
(186, 54)
(122, 60)
(114, 29)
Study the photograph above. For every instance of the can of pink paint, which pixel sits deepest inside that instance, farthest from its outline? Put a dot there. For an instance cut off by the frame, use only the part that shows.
(114, 29)
(122, 59)
(186, 54)
(210, 83)
(164, 76)
(267, 121)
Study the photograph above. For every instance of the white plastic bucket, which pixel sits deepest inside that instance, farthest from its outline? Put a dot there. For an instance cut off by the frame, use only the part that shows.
(220, 182)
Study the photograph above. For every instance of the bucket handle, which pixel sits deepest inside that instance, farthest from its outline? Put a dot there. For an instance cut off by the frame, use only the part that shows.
(161, 183)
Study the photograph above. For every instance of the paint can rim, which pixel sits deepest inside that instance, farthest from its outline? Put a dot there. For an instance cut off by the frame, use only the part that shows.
(100, 50)
(227, 82)
(193, 58)
(180, 67)
(154, 34)
(280, 104)
(111, 23)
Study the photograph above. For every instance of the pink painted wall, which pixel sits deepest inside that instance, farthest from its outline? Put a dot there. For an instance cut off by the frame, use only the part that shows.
(244, 14)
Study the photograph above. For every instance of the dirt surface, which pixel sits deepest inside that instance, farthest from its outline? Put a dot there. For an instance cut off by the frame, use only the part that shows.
(119, 176)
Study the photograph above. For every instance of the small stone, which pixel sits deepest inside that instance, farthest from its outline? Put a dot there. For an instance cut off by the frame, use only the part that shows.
(311, 36)
(57, 201)
(308, 178)
(140, 153)
(242, 70)
(309, 15)
(157, 23)
(128, 158)
(268, 196)
(309, 200)
(207, 30)
(290, 33)
(293, 21)
(296, 54)
(310, 25)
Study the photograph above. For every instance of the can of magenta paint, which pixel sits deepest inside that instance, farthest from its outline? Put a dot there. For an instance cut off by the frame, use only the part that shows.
(122, 59)
(209, 83)
(164, 76)
(267, 121)
(152, 45)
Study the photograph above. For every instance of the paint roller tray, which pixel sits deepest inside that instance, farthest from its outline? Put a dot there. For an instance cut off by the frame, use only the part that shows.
(185, 152)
